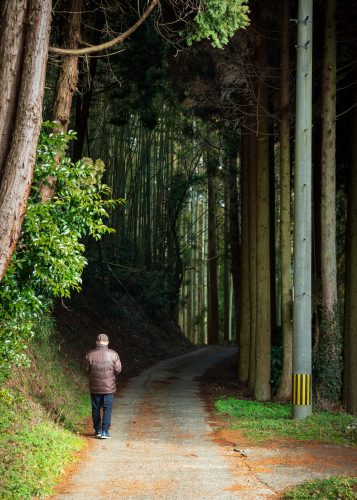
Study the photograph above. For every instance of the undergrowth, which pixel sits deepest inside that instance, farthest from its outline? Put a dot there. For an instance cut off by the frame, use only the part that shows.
(341, 488)
(50, 254)
(264, 421)
(42, 410)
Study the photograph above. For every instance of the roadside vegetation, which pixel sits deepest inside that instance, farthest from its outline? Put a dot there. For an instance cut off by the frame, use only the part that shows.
(263, 421)
(42, 412)
(50, 256)
(342, 488)
(43, 396)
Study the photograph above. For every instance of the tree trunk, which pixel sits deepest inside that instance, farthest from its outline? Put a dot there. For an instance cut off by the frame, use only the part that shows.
(25, 111)
(244, 336)
(205, 269)
(213, 321)
(329, 357)
(194, 273)
(252, 183)
(66, 85)
(263, 332)
(272, 235)
(200, 268)
(231, 146)
(284, 391)
(11, 57)
(68, 74)
(226, 267)
(350, 338)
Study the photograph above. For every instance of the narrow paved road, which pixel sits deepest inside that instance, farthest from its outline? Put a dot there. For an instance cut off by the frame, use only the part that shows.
(160, 446)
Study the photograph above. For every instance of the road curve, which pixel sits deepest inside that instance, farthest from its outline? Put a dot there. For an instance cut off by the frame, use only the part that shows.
(160, 446)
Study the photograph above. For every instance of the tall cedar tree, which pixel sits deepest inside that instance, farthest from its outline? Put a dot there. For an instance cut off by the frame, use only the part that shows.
(329, 357)
(23, 53)
(350, 334)
(284, 391)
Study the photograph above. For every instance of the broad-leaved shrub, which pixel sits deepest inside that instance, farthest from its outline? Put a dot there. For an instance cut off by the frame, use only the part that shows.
(49, 257)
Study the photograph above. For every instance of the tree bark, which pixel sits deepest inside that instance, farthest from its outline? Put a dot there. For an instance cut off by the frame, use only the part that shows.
(244, 336)
(284, 390)
(26, 113)
(263, 332)
(329, 357)
(252, 183)
(11, 57)
(66, 85)
(350, 336)
(68, 74)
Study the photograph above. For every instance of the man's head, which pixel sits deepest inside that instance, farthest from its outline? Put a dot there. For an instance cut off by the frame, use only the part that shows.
(102, 339)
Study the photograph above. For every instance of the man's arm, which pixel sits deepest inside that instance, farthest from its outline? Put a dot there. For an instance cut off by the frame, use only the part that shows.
(117, 365)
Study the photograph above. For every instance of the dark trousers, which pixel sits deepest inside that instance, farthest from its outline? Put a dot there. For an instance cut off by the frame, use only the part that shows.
(105, 402)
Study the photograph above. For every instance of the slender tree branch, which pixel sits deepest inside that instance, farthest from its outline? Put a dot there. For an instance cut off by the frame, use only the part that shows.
(111, 43)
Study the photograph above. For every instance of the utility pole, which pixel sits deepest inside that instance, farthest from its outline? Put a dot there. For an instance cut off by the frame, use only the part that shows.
(302, 406)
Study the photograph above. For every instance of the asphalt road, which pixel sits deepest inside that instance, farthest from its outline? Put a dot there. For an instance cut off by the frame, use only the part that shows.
(161, 446)
(164, 446)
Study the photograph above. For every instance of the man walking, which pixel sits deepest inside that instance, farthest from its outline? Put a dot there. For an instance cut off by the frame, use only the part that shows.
(102, 365)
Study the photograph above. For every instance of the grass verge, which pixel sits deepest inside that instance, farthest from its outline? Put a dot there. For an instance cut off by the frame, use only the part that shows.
(42, 412)
(342, 488)
(33, 452)
(265, 421)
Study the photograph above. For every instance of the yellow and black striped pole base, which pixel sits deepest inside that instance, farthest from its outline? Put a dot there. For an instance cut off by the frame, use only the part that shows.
(301, 395)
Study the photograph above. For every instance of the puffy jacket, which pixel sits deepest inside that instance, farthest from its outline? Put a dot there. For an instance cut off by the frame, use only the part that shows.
(102, 365)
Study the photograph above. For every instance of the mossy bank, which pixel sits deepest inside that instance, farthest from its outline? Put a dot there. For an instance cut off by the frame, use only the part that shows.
(43, 412)
(46, 406)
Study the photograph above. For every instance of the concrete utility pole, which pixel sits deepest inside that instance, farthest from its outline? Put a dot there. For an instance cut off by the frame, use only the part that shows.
(302, 238)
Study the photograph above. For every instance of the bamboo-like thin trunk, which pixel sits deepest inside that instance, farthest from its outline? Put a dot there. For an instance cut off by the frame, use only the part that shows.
(205, 271)
(213, 321)
(226, 267)
(200, 265)
(231, 145)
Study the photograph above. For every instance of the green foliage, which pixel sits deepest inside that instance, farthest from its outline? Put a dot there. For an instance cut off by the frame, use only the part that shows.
(66, 397)
(49, 258)
(33, 449)
(8, 402)
(33, 459)
(242, 408)
(53, 230)
(343, 488)
(218, 20)
(262, 421)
